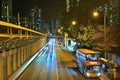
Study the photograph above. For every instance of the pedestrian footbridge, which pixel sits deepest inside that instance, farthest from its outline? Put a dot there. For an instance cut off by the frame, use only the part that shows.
(17, 45)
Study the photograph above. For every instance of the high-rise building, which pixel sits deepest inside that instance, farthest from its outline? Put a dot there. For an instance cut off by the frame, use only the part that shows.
(51, 26)
(6, 10)
(35, 17)
(70, 4)
(57, 24)
(46, 25)
(111, 10)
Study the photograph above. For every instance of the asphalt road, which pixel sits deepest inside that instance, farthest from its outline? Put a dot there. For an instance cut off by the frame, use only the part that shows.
(53, 64)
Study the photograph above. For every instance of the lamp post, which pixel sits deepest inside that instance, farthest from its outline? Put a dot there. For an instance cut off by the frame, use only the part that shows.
(105, 35)
(18, 19)
(7, 13)
(96, 14)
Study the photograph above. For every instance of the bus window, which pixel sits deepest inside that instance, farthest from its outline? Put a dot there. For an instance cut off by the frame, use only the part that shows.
(93, 68)
(92, 57)
(69, 42)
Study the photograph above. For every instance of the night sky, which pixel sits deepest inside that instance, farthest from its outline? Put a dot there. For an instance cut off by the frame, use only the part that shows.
(51, 9)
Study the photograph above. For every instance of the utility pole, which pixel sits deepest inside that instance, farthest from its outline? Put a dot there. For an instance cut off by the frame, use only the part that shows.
(7, 13)
(25, 22)
(18, 19)
(7, 9)
(105, 35)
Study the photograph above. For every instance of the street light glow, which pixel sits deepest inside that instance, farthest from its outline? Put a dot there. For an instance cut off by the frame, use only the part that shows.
(73, 22)
(95, 14)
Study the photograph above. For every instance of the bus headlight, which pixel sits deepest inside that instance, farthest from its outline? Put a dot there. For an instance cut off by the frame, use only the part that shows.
(88, 74)
(98, 74)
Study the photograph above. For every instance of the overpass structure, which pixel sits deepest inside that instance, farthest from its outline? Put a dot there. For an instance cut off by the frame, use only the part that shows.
(17, 45)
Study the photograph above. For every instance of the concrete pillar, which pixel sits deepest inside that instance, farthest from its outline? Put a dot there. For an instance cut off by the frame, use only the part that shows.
(24, 53)
(3, 66)
(27, 56)
(14, 59)
(21, 53)
(32, 48)
(29, 51)
(18, 59)
(9, 63)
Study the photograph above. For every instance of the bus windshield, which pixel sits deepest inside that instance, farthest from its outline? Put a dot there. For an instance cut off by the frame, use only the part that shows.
(93, 57)
(93, 68)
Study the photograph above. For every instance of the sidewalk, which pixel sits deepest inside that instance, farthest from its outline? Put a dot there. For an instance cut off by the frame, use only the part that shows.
(109, 76)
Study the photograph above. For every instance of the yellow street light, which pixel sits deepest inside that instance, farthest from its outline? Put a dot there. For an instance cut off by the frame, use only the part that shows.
(73, 22)
(95, 14)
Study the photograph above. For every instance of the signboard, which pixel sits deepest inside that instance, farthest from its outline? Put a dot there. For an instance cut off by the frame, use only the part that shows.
(92, 63)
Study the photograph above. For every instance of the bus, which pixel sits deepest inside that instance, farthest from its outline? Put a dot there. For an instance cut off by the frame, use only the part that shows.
(88, 63)
(70, 44)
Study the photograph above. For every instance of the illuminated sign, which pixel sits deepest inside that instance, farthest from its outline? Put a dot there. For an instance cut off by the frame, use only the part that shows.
(92, 63)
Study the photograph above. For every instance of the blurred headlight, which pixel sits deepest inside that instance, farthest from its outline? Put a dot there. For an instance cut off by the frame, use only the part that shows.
(98, 74)
(88, 75)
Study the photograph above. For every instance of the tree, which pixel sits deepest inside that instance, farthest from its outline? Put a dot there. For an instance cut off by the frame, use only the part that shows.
(113, 39)
(85, 35)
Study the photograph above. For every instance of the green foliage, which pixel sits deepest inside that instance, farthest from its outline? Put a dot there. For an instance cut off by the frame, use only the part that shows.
(85, 35)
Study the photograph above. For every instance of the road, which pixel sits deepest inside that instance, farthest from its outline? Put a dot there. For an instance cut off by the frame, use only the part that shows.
(53, 64)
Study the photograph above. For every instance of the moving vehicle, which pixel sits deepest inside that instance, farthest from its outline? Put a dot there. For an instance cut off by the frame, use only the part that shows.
(88, 63)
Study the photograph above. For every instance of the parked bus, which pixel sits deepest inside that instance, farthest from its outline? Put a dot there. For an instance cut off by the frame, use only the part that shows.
(88, 62)
(70, 44)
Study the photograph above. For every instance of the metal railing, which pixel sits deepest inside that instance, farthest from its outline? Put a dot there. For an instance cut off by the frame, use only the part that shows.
(11, 30)
(13, 36)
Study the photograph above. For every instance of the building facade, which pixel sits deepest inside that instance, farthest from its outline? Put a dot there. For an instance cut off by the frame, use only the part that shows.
(36, 19)
(6, 10)
(70, 4)
(112, 12)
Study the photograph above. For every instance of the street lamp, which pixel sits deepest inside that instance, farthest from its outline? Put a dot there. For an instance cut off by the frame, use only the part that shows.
(95, 14)
(73, 22)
